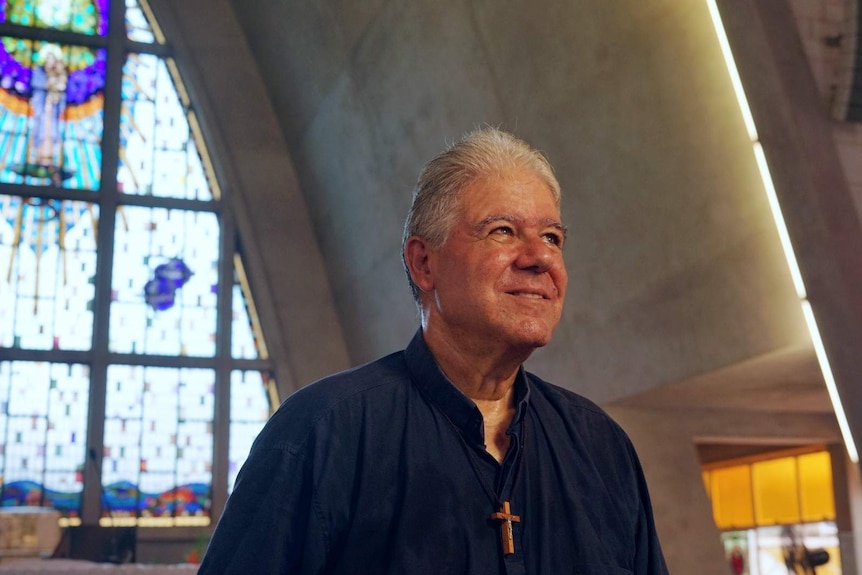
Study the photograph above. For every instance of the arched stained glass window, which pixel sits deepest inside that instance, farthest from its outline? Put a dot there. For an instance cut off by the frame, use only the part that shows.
(125, 314)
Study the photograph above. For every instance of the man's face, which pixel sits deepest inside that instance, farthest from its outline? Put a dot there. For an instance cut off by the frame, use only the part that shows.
(500, 277)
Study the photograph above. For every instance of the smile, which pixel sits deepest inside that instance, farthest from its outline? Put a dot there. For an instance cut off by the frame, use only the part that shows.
(529, 295)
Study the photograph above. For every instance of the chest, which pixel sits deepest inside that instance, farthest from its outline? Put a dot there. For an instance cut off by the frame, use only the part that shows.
(417, 496)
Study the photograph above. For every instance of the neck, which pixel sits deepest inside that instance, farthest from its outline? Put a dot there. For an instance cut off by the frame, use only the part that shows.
(488, 380)
(481, 373)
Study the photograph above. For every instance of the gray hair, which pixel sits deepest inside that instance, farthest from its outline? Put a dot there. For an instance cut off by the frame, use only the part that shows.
(481, 153)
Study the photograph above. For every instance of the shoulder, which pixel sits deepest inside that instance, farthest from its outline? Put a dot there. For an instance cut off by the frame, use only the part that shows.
(578, 414)
(331, 400)
(589, 436)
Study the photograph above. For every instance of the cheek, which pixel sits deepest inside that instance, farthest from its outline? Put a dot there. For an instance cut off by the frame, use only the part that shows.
(561, 279)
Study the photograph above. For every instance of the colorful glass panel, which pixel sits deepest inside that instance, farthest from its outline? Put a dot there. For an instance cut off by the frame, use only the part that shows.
(51, 102)
(152, 312)
(138, 28)
(47, 273)
(43, 432)
(249, 410)
(157, 459)
(88, 17)
(158, 155)
(246, 335)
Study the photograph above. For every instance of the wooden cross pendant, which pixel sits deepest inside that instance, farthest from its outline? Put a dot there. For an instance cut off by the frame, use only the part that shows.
(505, 517)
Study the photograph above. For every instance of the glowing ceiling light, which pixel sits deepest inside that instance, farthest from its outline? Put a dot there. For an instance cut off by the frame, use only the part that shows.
(789, 255)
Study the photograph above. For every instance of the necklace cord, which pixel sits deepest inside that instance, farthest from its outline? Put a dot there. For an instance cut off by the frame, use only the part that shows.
(495, 497)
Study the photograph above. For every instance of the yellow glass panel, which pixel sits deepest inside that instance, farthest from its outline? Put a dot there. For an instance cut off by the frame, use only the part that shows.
(776, 499)
(732, 506)
(815, 487)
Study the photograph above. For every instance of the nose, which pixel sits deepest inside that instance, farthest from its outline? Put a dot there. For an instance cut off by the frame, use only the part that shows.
(537, 255)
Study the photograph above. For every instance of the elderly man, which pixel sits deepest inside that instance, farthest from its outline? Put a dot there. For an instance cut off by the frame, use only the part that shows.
(448, 457)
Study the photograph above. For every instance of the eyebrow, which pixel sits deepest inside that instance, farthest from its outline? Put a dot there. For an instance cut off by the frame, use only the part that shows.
(547, 222)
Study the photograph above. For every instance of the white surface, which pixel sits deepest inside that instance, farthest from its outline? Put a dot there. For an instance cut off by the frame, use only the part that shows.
(28, 531)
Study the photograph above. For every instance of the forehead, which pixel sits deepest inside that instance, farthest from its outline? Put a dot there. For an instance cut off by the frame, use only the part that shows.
(516, 190)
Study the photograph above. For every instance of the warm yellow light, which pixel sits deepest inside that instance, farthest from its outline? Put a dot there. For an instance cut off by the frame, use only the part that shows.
(775, 485)
(179, 521)
(730, 492)
(816, 497)
(782, 230)
(69, 521)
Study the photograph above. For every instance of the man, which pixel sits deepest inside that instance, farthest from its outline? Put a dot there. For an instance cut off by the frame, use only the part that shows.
(447, 457)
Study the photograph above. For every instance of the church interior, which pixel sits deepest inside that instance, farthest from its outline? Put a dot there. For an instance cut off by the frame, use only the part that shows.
(710, 157)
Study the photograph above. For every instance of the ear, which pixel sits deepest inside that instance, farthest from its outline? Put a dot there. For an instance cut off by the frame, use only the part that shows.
(417, 257)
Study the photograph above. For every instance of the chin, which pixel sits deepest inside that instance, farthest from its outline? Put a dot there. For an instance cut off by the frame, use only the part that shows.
(533, 335)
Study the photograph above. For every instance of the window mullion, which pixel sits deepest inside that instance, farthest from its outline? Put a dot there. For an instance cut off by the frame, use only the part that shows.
(108, 206)
(221, 420)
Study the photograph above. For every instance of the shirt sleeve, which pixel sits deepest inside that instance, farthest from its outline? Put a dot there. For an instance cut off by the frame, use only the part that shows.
(270, 523)
(649, 559)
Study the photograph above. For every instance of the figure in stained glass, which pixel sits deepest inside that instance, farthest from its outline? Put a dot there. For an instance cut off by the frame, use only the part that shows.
(51, 113)
(48, 102)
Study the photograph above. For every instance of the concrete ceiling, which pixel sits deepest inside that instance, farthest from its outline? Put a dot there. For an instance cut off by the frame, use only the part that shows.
(788, 381)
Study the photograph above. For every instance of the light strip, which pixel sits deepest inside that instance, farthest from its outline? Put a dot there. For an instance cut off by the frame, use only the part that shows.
(789, 255)
(830, 381)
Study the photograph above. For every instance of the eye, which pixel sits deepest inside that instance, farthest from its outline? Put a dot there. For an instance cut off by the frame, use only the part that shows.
(554, 238)
(503, 230)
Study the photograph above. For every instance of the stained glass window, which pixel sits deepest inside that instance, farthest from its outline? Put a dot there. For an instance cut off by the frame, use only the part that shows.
(48, 258)
(43, 428)
(250, 406)
(137, 26)
(165, 277)
(51, 100)
(88, 17)
(158, 155)
(111, 259)
(157, 461)
(247, 338)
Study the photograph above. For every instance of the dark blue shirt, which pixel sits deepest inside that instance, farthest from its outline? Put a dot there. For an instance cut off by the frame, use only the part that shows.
(382, 469)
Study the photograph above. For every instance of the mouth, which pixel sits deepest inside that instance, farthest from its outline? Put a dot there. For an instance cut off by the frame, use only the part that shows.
(530, 295)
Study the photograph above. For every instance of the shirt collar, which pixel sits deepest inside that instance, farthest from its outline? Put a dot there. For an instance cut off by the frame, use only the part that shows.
(460, 409)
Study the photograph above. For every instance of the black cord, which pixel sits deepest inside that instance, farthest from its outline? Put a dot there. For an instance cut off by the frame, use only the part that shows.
(495, 497)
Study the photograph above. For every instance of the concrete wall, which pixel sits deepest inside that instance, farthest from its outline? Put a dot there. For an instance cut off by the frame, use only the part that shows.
(676, 267)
